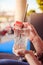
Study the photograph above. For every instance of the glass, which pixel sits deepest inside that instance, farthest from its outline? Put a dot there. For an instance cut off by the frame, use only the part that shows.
(20, 39)
(21, 42)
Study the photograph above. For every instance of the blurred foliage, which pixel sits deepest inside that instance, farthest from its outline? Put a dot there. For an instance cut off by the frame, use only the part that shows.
(41, 7)
(30, 12)
(40, 3)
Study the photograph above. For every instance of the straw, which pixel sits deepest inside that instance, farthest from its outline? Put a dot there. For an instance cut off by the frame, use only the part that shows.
(25, 12)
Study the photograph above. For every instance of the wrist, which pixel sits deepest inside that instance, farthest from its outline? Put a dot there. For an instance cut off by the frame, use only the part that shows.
(30, 57)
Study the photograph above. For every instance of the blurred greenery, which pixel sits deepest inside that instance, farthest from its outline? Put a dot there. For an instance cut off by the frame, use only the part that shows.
(41, 7)
(30, 12)
(40, 4)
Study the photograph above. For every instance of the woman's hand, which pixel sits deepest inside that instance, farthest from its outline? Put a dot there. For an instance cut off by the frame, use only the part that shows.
(25, 29)
(29, 31)
(30, 57)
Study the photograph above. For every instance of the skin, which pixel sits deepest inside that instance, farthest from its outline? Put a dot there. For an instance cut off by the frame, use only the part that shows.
(33, 36)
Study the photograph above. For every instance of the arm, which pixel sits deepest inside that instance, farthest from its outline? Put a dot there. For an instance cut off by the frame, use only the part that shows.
(30, 57)
(32, 60)
(38, 44)
(34, 38)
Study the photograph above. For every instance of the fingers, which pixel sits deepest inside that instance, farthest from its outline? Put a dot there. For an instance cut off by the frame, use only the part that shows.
(29, 26)
(19, 52)
(18, 25)
(23, 52)
(31, 59)
(29, 56)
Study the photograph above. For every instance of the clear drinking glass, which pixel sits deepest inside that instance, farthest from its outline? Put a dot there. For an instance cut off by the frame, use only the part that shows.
(20, 40)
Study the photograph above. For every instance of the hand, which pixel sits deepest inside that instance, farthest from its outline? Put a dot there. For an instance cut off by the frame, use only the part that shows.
(34, 37)
(30, 57)
(30, 31)
(24, 52)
